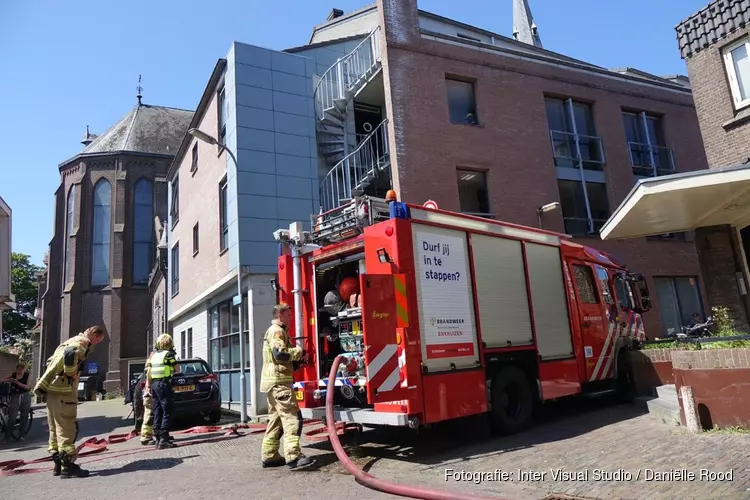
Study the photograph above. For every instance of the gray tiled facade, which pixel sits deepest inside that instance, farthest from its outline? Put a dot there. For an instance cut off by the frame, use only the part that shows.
(271, 128)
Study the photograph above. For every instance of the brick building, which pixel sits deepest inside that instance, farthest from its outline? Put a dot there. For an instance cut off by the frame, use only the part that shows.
(393, 96)
(499, 127)
(715, 44)
(103, 246)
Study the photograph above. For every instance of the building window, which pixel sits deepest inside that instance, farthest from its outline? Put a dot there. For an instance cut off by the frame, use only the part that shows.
(69, 221)
(585, 206)
(101, 234)
(737, 64)
(223, 216)
(574, 140)
(472, 193)
(462, 104)
(143, 231)
(190, 343)
(194, 164)
(585, 283)
(183, 345)
(679, 298)
(224, 351)
(196, 243)
(175, 269)
(175, 209)
(222, 110)
(648, 154)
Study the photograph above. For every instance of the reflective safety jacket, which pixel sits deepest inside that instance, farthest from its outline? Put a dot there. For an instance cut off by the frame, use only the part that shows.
(64, 366)
(161, 364)
(278, 355)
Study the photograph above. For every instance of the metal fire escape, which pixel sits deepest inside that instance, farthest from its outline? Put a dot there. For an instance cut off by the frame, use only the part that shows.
(352, 165)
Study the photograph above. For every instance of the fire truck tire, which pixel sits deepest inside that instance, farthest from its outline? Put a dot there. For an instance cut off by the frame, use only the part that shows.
(512, 400)
(625, 385)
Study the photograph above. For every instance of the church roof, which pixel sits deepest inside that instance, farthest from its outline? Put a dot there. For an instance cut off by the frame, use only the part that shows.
(146, 129)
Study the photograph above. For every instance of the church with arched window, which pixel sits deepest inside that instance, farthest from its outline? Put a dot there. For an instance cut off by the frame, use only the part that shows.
(104, 243)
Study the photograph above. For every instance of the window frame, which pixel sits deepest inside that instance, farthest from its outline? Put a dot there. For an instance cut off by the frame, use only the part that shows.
(728, 60)
(571, 131)
(591, 221)
(216, 338)
(196, 239)
(194, 160)
(221, 117)
(143, 181)
(174, 209)
(473, 107)
(223, 216)
(672, 280)
(107, 252)
(69, 225)
(483, 173)
(174, 271)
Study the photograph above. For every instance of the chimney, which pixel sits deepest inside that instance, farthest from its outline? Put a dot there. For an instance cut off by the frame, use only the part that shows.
(334, 14)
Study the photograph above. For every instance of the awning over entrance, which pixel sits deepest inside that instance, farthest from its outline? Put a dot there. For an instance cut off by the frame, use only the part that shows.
(683, 202)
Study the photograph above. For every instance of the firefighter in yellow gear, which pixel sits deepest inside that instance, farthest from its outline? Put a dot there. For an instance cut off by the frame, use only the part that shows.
(60, 385)
(159, 371)
(147, 427)
(276, 381)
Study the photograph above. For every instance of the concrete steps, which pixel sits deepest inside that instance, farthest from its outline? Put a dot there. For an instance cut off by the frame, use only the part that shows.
(663, 405)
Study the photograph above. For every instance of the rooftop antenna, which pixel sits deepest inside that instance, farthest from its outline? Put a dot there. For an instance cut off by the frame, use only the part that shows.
(140, 90)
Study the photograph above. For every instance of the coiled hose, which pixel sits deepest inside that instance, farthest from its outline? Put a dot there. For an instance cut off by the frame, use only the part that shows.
(369, 480)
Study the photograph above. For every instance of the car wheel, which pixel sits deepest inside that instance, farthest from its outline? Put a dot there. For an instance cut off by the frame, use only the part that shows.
(214, 416)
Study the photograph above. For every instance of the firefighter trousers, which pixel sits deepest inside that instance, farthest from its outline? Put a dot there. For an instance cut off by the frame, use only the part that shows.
(284, 418)
(161, 402)
(62, 419)
(147, 427)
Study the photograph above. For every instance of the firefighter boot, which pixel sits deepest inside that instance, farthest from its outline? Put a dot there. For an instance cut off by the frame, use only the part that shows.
(300, 462)
(70, 469)
(58, 464)
(165, 443)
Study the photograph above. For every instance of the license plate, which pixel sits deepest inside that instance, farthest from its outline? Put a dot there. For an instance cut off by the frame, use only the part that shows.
(184, 388)
(299, 394)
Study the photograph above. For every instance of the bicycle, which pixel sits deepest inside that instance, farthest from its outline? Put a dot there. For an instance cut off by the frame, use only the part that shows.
(17, 433)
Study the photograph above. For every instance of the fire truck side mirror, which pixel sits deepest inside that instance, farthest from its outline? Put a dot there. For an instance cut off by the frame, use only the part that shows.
(641, 293)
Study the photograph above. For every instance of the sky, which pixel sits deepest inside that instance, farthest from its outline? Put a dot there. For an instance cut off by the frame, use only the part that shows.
(66, 65)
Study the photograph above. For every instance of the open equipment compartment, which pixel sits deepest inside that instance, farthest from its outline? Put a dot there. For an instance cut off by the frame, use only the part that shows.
(340, 328)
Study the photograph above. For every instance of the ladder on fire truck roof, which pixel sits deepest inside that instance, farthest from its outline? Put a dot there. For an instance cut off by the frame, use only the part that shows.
(348, 220)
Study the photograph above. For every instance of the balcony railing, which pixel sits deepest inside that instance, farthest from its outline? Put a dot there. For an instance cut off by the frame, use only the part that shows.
(565, 149)
(651, 161)
(579, 226)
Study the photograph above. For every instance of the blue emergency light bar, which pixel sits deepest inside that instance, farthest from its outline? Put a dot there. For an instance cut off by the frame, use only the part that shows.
(398, 210)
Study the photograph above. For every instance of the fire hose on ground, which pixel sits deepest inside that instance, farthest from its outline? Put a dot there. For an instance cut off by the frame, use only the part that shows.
(369, 480)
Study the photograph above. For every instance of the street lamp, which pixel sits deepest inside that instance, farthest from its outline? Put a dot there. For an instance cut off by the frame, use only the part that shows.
(202, 136)
(546, 208)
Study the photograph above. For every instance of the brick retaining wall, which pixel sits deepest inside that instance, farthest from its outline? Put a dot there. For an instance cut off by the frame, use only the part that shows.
(720, 379)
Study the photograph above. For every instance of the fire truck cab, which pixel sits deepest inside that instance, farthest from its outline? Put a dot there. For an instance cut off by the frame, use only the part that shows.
(440, 315)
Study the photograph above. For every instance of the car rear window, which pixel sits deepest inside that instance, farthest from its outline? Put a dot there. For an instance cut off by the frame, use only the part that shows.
(191, 368)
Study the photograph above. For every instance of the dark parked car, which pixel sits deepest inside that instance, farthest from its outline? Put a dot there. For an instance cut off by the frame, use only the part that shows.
(196, 392)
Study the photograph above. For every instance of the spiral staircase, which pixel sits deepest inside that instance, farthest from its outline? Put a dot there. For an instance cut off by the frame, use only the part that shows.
(354, 161)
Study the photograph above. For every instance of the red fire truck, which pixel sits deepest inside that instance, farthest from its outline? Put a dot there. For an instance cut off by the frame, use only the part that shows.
(441, 315)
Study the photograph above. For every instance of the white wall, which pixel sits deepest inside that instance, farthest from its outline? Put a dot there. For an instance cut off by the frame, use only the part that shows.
(197, 319)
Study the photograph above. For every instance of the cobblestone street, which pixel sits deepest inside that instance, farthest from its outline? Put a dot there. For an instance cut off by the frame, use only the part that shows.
(576, 437)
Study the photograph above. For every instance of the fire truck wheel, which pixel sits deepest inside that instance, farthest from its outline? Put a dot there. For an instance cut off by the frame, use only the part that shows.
(512, 400)
(625, 384)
